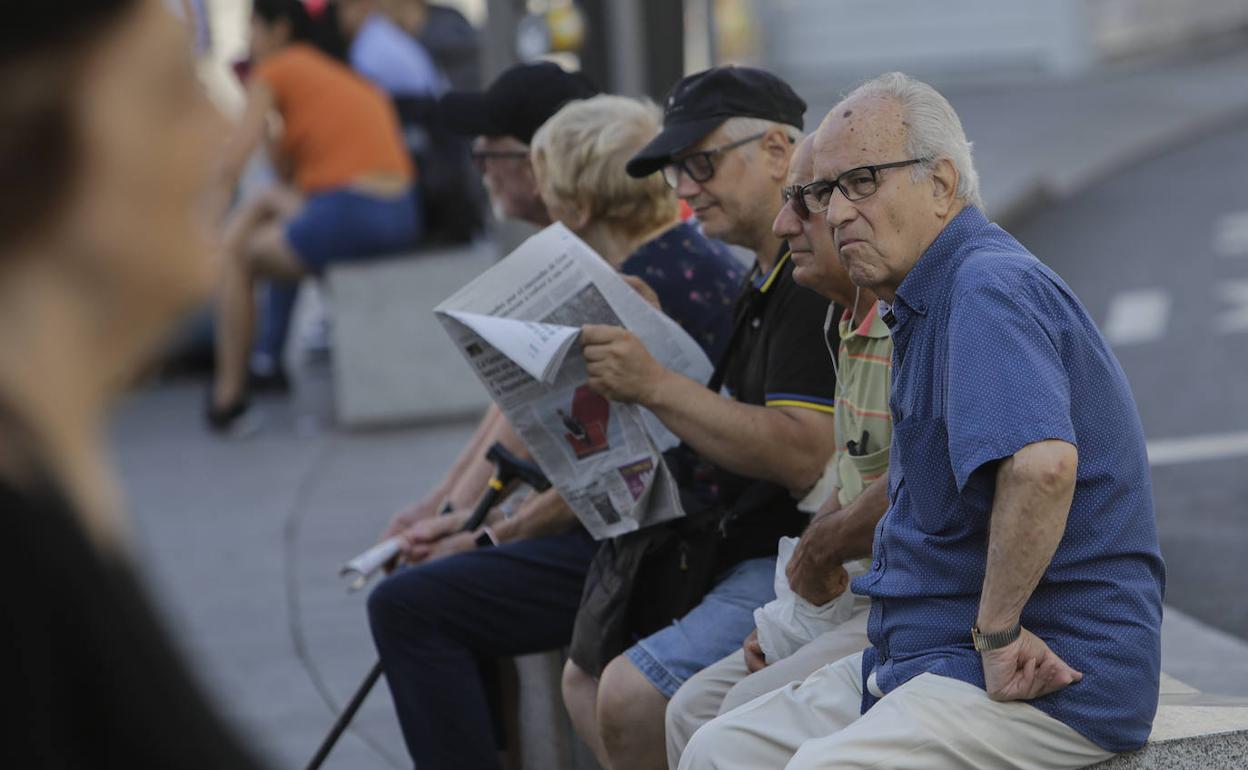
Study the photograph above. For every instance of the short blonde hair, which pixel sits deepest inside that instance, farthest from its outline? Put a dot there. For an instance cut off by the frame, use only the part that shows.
(580, 155)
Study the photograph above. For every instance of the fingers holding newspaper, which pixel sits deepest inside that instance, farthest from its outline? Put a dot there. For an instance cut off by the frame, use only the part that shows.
(619, 366)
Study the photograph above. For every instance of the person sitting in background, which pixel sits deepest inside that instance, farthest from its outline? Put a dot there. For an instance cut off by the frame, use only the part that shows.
(382, 51)
(446, 35)
(351, 191)
(516, 590)
(107, 152)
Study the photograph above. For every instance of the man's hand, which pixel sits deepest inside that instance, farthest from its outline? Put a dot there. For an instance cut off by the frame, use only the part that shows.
(620, 368)
(421, 538)
(1025, 669)
(410, 515)
(815, 571)
(755, 660)
(451, 545)
(643, 288)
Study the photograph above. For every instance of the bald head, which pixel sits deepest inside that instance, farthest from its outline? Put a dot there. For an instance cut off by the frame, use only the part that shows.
(880, 236)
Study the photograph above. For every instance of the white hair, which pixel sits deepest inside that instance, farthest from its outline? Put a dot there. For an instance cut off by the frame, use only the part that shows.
(934, 130)
(737, 128)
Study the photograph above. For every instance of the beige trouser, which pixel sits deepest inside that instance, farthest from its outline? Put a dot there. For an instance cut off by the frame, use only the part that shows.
(929, 722)
(721, 687)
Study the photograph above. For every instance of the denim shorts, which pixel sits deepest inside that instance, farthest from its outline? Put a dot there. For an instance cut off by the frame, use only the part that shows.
(709, 631)
(342, 225)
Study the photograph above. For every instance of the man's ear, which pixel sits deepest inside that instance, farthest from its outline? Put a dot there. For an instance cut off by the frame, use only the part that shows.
(944, 178)
(776, 151)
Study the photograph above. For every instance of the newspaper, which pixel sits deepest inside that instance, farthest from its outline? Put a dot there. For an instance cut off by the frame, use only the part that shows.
(518, 325)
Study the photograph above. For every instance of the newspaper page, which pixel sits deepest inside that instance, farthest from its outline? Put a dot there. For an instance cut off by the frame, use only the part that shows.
(518, 325)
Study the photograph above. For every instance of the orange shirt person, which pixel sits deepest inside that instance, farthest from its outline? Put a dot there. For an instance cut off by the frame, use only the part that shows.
(350, 191)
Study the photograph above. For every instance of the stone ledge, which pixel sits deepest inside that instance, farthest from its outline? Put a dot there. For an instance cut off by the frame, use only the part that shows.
(392, 361)
(1191, 734)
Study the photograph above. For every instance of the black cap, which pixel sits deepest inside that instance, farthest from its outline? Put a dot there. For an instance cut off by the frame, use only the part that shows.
(699, 103)
(516, 104)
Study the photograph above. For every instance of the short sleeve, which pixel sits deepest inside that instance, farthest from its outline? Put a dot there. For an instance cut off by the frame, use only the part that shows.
(1007, 386)
(799, 365)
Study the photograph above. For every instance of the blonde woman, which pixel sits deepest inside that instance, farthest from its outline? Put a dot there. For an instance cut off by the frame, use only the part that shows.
(578, 159)
(516, 590)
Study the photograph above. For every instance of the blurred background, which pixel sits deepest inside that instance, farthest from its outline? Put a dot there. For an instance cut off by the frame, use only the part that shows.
(1112, 140)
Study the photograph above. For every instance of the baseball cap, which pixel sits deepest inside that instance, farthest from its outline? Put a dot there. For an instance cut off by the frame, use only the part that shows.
(700, 102)
(516, 104)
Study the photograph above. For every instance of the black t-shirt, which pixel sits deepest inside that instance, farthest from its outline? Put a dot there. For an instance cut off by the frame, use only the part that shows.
(89, 673)
(778, 357)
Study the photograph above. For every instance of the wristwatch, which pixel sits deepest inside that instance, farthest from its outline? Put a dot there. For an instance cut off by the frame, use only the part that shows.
(485, 538)
(997, 639)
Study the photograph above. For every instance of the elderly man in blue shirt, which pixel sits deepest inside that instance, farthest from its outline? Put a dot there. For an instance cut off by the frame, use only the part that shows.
(1016, 579)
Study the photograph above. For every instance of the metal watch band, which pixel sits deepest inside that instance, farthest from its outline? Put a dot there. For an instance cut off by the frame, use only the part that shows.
(997, 639)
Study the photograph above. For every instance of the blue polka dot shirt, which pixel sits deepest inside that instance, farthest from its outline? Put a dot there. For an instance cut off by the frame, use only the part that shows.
(992, 352)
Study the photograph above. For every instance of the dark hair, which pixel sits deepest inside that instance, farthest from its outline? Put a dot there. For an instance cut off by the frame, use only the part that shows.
(293, 12)
(40, 51)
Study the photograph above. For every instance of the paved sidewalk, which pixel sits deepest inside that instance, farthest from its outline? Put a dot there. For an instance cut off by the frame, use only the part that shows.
(241, 540)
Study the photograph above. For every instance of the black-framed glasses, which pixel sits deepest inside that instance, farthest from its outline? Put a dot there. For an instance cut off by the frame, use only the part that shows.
(793, 193)
(700, 166)
(855, 184)
(479, 157)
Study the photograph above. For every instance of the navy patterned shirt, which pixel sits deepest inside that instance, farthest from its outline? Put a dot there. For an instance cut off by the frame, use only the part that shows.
(992, 352)
(697, 280)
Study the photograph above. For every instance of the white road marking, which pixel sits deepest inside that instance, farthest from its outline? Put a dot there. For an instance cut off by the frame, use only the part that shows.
(1137, 316)
(1192, 449)
(1230, 235)
(1234, 319)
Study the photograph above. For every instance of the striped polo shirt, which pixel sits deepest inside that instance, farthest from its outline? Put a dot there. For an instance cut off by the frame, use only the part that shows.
(865, 363)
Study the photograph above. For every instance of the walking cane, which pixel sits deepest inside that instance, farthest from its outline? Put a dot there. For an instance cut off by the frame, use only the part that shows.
(507, 468)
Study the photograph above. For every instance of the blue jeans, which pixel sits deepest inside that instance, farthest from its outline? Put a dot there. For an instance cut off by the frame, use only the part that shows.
(431, 624)
(709, 631)
(340, 225)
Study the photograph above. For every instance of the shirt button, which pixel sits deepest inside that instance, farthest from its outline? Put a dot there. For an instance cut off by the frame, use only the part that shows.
(877, 565)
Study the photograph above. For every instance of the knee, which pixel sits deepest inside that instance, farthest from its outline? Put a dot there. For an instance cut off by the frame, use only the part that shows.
(408, 594)
(706, 745)
(622, 691)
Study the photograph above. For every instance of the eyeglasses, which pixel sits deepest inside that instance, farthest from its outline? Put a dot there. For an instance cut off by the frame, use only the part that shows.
(855, 184)
(700, 166)
(479, 157)
(793, 193)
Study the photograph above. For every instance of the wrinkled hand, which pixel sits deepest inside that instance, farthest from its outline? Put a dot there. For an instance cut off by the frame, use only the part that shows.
(815, 572)
(449, 546)
(643, 288)
(620, 368)
(755, 660)
(410, 515)
(421, 538)
(1025, 669)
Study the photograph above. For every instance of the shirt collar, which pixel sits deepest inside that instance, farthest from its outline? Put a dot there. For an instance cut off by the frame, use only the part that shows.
(763, 283)
(872, 327)
(927, 280)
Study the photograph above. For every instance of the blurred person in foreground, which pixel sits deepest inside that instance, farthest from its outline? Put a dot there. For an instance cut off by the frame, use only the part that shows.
(106, 155)
(348, 193)
(857, 497)
(668, 600)
(1016, 580)
(514, 586)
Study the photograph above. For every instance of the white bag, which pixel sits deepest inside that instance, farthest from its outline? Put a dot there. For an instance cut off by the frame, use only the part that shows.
(788, 622)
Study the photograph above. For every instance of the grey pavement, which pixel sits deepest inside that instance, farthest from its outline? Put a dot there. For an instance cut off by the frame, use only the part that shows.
(240, 540)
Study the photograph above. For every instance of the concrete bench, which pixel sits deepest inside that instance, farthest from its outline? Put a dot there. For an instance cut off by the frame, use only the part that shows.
(1191, 730)
(392, 361)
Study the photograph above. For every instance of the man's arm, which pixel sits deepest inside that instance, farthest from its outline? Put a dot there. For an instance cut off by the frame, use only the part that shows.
(542, 514)
(786, 445)
(1034, 491)
(834, 538)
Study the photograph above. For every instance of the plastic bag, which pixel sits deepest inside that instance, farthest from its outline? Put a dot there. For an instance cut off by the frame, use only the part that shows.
(788, 622)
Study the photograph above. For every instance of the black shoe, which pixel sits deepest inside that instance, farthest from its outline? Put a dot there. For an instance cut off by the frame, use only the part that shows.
(236, 420)
(275, 382)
